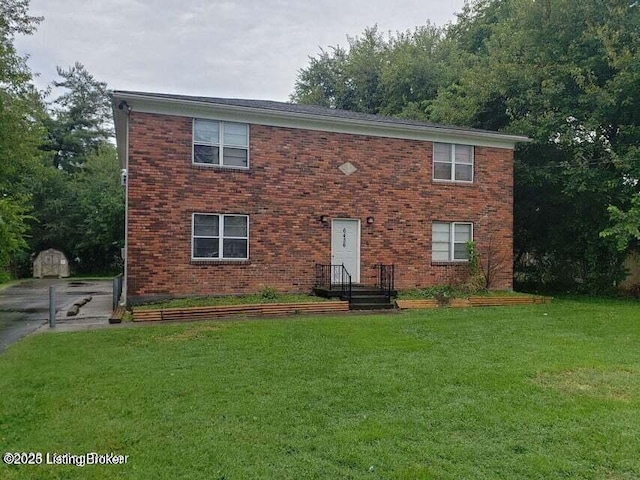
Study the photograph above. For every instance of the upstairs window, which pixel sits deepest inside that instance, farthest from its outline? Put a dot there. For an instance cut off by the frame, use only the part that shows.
(449, 241)
(452, 162)
(225, 144)
(220, 237)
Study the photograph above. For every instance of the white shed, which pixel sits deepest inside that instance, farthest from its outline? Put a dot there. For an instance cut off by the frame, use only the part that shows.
(50, 263)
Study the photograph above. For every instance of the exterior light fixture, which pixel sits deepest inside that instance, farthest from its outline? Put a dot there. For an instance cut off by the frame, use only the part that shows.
(324, 219)
(370, 220)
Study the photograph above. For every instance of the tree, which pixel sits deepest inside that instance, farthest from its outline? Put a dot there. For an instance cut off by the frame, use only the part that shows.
(80, 120)
(79, 202)
(13, 226)
(392, 76)
(59, 178)
(322, 82)
(101, 212)
(565, 74)
(21, 114)
(626, 225)
(346, 80)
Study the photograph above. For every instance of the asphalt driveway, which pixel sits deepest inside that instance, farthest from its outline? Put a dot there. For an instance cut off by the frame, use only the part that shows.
(24, 307)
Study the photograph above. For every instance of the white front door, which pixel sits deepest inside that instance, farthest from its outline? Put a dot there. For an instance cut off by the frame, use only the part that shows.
(345, 247)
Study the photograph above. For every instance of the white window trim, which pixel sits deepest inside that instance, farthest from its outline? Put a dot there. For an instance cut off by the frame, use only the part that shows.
(220, 238)
(452, 242)
(220, 145)
(453, 164)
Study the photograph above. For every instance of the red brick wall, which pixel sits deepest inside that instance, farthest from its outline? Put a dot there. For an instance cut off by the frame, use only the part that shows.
(293, 180)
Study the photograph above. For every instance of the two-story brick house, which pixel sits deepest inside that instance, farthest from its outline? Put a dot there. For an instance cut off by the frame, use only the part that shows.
(227, 196)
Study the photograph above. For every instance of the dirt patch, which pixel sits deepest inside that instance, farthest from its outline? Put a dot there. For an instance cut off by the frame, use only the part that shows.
(613, 384)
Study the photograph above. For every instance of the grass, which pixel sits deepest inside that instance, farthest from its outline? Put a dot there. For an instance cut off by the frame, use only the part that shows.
(541, 391)
(233, 300)
(9, 283)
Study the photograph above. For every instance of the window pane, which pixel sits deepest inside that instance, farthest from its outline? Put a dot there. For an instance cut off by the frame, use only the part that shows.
(205, 225)
(440, 255)
(235, 157)
(205, 154)
(462, 232)
(235, 226)
(442, 171)
(206, 248)
(460, 252)
(206, 131)
(441, 232)
(441, 227)
(440, 242)
(440, 247)
(464, 172)
(463, 154)
(236, 134)
(442, 152)
(441, 237)
(234, 248)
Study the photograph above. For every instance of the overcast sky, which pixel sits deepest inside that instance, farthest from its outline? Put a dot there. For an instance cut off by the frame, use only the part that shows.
(218, 48)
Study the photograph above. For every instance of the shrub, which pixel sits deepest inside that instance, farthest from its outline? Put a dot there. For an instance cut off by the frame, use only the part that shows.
(477, 281)
(269, 293)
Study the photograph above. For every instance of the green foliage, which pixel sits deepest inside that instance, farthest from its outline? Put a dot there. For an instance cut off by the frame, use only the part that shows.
(562, 73)
(81, 118)
(347, 81)
(449, 291)
(476, 282)
(393, 76)
(59, 177)
(82, 213)
(21, 114)
(101, 211)
(269, 293)
(441, 292)
(13, 226)
(626, 225)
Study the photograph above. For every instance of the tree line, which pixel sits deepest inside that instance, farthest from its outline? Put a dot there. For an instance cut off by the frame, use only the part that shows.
(564, 73)
(59, 176)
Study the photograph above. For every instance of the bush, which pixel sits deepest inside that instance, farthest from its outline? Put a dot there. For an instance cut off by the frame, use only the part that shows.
(477, 281)
(269, 293)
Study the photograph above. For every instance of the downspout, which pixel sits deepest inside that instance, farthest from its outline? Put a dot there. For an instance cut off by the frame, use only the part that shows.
(123, 105)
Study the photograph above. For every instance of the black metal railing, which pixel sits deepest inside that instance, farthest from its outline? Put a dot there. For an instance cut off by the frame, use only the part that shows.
(385, 279)
(329, 276)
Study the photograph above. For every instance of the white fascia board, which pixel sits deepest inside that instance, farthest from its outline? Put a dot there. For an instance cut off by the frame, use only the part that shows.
(233, 113)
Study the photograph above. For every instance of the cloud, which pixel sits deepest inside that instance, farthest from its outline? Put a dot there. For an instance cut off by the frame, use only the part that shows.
(248, 49)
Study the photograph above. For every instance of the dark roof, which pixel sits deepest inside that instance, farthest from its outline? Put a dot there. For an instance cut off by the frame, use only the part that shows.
(315, 110)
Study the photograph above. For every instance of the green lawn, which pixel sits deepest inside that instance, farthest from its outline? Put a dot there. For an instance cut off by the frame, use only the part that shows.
(545, 392)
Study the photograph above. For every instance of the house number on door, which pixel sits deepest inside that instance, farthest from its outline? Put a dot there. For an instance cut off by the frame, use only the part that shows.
(344, 238)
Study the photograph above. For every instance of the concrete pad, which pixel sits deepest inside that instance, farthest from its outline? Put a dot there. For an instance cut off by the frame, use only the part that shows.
(24, 307)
